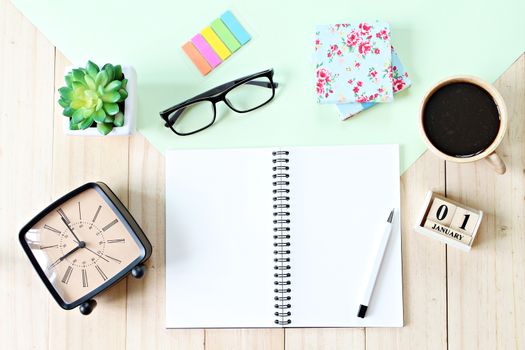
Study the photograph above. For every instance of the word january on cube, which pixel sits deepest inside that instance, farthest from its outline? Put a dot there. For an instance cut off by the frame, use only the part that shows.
(448, 221)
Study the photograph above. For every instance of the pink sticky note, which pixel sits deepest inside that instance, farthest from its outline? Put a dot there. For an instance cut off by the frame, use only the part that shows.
(206, 50)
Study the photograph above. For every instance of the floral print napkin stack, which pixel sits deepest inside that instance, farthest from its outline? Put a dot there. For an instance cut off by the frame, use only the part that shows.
(356, 66)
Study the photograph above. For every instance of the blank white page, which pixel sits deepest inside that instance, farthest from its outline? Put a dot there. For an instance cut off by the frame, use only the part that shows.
(340, 200)
(219, 239)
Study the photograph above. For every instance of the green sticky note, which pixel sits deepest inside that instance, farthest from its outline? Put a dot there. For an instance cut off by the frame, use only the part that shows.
(226, 36)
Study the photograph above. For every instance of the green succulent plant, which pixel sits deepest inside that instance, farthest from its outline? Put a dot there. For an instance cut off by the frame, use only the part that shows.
(94, 95)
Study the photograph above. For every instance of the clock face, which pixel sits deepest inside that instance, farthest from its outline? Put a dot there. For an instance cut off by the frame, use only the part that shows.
(81, 244)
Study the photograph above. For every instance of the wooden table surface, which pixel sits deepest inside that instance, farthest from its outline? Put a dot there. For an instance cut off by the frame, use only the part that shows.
(452, 300)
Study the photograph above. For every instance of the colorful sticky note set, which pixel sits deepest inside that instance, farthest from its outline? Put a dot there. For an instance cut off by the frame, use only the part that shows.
(215, 43)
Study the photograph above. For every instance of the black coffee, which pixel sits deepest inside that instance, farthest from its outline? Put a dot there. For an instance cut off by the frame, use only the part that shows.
(461, 119)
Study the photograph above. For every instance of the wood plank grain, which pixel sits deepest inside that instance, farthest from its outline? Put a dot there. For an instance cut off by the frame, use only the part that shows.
(325, 339)
(26, 140)
(424, 269)
(77, 160)
(147, 296)
(487, 286)
(239, 339)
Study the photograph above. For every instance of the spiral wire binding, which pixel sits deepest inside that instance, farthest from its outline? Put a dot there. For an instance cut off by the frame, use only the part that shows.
(281, 237)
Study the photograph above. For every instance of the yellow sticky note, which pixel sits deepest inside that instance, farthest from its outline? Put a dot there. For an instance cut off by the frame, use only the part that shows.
(216, 43)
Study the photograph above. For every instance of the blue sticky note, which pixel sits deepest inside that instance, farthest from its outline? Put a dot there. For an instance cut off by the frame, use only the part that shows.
(235, 27)
(400, 81)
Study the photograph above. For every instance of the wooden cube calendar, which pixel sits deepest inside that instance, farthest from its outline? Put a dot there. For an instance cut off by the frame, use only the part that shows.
(448, 221)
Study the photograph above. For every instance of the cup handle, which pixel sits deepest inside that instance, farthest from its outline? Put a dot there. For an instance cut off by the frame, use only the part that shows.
(496, 163)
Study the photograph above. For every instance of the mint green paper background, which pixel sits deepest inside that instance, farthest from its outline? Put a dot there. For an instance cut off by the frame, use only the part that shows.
(434, 39)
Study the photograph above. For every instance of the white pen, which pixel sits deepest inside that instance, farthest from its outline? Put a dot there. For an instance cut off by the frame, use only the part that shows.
(377, 266)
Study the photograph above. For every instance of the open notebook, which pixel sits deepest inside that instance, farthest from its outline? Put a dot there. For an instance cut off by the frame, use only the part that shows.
(281, 237)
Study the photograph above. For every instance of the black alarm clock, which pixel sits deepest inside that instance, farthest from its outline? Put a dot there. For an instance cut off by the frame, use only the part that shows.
(84, 243)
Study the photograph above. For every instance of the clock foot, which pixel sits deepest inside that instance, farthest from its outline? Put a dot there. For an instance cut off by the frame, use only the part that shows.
(88, 306)
(138, 271)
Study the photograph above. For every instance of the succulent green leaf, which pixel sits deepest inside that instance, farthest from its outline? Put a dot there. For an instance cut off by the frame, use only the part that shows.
(111, 108)
(123, 94)
(69, 79)
(124, 83)
(90, 82)
(110, 70)
(77, 104)
(112, 96)
(86, 123)
(99, 105)
(99, 115)
(100, 91)
(92, 69)
(113, 86)
(63, 103)
(104, 128)
(78, 74)
(73, 126)
(109, 119)
(79, 85)
(68, 111)
(77, 116)
(91, 97)
(88, 112)
(118, 72)
(81, 114)
(102, 78)
(66, 93)
(119, 119)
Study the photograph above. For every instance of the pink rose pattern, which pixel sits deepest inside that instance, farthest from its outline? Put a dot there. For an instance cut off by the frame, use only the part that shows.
(398, 77)
(324, 82)
(356, 58)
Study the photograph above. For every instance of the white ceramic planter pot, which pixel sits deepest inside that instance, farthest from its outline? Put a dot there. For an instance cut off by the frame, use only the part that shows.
(130, 110)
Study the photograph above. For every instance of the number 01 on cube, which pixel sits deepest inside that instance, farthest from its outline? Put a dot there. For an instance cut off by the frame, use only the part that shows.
(448, 221)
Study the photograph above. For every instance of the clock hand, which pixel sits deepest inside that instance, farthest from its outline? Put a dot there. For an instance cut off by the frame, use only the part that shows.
(80, 245)
(70, 230)
(59, 260)
(100, 256)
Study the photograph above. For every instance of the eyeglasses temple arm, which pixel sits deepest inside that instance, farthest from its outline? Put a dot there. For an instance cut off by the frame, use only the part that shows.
(226, 86)
(262, 84)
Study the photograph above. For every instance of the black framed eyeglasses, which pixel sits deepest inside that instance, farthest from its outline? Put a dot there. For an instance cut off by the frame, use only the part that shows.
(241, 95)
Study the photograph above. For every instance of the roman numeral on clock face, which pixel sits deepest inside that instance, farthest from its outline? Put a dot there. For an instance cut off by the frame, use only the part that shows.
(102, 274)
(67, 274)
(119, 240)
(63, 215)
(52, 229)
(108, 226)
(84, 278)
(96, 214)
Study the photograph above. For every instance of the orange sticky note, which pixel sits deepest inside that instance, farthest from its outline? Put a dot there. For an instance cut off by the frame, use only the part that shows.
(197, 59)
(216, 43)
